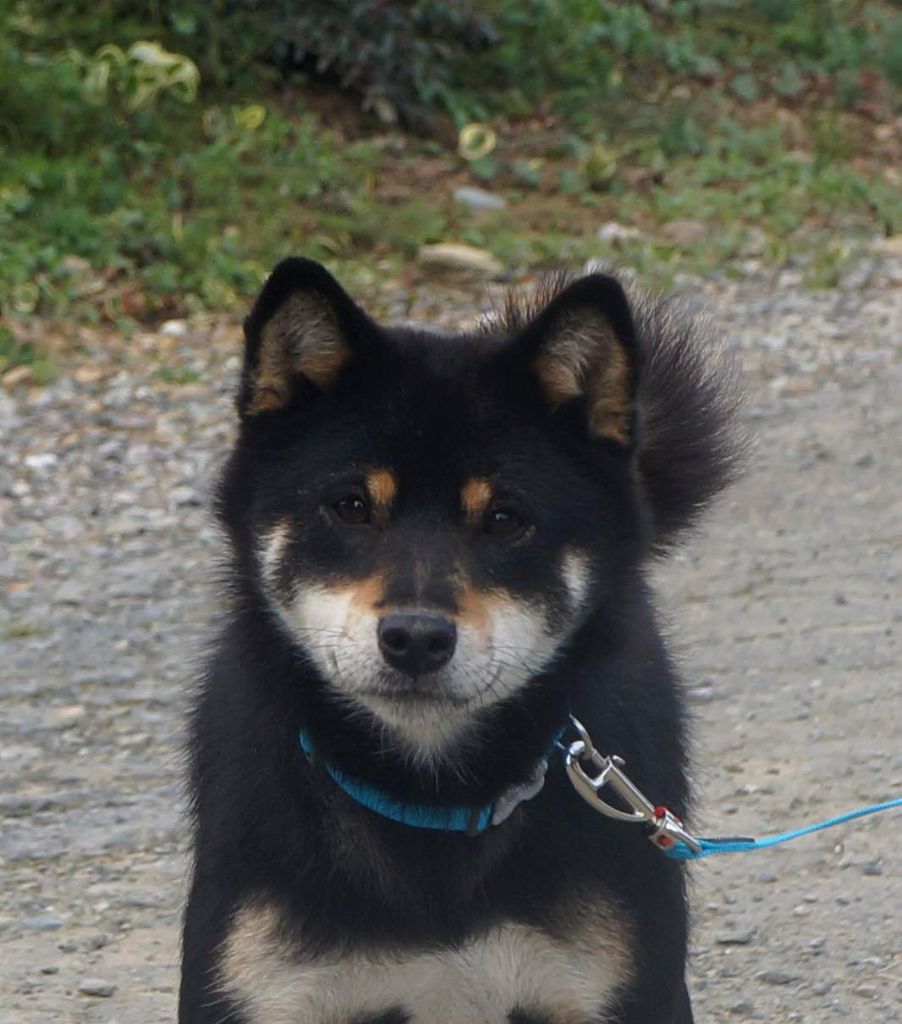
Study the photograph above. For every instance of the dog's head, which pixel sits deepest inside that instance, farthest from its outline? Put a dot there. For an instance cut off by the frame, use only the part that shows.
(432, 518)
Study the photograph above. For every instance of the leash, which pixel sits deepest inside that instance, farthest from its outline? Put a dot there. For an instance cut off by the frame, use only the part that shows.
(590, 772)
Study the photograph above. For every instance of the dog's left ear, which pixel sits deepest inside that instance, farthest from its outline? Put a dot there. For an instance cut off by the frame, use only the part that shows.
(302, 332)
(583, 346)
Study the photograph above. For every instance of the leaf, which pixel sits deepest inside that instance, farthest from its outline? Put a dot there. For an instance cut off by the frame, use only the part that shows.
(789, 82)
(745, 87)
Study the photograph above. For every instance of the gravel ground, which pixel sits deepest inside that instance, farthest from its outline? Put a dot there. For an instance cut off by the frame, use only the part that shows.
(785, 608)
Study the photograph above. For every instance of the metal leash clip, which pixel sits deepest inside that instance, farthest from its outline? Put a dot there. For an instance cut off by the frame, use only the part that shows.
(590, 771)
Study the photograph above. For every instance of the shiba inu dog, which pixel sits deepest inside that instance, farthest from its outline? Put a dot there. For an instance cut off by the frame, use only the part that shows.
(437, 549)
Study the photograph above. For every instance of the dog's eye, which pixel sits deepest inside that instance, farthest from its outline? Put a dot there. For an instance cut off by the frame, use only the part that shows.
(352, 510)
(504, 522)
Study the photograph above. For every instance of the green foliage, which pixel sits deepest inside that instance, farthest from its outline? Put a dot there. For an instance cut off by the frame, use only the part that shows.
(14, 353)
(156, 158)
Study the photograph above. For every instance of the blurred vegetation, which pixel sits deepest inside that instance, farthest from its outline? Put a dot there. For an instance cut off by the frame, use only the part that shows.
(157, 158)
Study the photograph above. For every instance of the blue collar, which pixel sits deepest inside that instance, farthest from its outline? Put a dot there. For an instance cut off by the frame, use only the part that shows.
(471, 820)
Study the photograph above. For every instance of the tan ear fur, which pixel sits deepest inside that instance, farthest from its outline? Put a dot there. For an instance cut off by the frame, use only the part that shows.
(302, 337)
(583, 357)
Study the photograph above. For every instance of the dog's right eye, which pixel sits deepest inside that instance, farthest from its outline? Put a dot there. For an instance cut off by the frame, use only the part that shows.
(352, 510)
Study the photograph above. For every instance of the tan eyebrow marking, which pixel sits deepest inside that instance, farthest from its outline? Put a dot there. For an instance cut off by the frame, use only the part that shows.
(475, 496)
(382, 487)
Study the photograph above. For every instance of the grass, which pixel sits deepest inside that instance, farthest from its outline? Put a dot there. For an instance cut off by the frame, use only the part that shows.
(715, 131)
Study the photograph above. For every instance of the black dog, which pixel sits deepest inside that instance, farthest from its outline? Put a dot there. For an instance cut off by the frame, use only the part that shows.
(437, 549)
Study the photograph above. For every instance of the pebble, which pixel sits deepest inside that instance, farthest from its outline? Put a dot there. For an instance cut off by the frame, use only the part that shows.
(96, 987)
(65, 717)
(740, 937)
(686, 232)
(479, 199)
(702, 694)
(865, 991)
(744, 1006)
(174, 328)
(43, 923)
(777, 977)
(612, 231)
(454, 256)
(70, 592)
(43, 460)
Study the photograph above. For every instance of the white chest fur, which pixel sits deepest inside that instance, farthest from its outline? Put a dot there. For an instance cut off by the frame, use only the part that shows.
(567, 980)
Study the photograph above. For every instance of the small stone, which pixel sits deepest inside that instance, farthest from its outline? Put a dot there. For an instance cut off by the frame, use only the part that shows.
(768, 877)
(41, 460)
(612, 231)
(821, 988)
(17, 375)
(185, 495)
(865, 461)
(479, 199)
(43, 923)
(891, 245)
(70, 592)
(50, 969)
(453, 256)
(744, 1006)
(776, 977)
(865, 991)
(702, 694)
(686, 232)
(174, 328)
(65, 717)
(75, 265)
(740, 937)
(871, 867)
(96, 987)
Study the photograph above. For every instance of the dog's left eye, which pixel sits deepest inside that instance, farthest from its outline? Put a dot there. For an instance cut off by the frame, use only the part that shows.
(352, 510)
(504, 522)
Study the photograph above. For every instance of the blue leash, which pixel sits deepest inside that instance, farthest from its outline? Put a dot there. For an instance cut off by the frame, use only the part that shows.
(740, 844)
(590, 772)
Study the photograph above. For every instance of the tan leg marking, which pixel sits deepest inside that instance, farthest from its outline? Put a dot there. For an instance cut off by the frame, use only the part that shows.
(570, 973)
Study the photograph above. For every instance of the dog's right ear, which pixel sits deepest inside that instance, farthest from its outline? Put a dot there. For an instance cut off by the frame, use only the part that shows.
(300, 335)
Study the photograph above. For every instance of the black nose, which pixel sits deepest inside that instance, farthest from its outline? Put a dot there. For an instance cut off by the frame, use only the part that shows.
(416, 643)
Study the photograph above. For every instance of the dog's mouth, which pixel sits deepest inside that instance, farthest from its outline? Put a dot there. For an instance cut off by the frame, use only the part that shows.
(414, 694)
(429, 691)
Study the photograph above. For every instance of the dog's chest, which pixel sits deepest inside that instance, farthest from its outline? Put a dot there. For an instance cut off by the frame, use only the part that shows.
(511, 969)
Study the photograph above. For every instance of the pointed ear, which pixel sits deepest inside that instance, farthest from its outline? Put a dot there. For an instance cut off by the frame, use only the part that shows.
(299, 336)
(583, 346)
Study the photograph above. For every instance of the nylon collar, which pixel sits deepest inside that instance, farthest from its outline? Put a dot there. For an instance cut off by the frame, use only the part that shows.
(461, 818)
